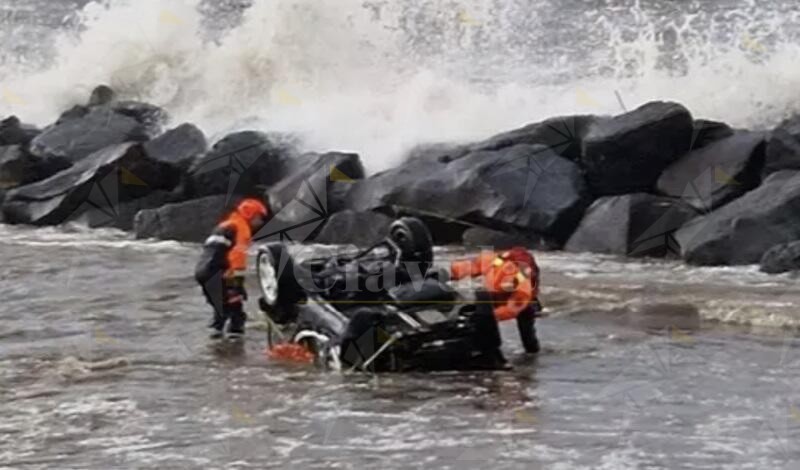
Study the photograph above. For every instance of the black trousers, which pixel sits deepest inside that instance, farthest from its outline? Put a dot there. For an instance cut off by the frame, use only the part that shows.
(226, 296)
(526, 325)
(489, 332)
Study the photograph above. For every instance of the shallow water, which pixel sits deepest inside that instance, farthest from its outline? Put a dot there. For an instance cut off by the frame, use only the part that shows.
(104, 364)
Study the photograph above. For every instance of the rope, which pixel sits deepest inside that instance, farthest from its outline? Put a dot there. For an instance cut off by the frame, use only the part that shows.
(272, 326)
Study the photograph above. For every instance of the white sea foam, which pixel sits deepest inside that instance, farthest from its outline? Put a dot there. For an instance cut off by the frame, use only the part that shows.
(379, 77)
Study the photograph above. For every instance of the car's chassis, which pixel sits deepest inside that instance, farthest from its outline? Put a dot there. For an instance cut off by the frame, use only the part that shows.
(384, 309)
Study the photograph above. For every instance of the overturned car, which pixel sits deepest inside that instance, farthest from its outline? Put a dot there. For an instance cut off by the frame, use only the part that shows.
(383, 309)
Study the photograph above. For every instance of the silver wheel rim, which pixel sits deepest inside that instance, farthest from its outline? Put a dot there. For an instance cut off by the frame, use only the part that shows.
(268, 278)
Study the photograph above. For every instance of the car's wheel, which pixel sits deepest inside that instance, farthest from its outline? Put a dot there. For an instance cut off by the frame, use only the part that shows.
(412, 237)
(280, 290)
(268, 277)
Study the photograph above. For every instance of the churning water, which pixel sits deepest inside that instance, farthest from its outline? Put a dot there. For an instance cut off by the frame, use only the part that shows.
(648, 364)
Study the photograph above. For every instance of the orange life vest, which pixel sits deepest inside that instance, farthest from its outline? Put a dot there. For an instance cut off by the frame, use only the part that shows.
(511, 287)
(237, 255)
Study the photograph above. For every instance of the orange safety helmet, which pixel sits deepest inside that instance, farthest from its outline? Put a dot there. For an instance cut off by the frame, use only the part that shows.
(251, 208)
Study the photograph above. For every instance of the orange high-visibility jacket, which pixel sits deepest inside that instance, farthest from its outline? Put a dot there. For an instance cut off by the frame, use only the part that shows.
(239, 227)
(237, 255)
(225, 250)
(504, 279)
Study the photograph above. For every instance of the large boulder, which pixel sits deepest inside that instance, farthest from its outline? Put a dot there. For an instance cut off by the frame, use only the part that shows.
(525, 187)
(150, 116)
(563, 135)
(627, 153)
(121, 216)
(74, 139)
(441, 152)
(13, 132)
(242, 163)
(717, 173)
(104, 179)
(707, 132)
(179, 147)
(781, 258)
(631, 225)
(783, 147)
(743, 230)
(354, 228)
(315, 189)
(101, 95)
(190, 221)
(18, 167)
(323, 177)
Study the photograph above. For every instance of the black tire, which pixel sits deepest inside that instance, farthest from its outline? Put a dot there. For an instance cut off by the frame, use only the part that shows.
(413, 238)
(280, 304)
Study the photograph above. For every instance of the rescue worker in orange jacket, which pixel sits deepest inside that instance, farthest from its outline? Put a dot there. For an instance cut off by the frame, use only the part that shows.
(511, 280)
(221, 268)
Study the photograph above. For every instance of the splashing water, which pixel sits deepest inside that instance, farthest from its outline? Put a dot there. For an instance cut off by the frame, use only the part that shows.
(379, 76)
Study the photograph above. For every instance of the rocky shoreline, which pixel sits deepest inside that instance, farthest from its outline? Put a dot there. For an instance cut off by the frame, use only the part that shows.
(652, 182)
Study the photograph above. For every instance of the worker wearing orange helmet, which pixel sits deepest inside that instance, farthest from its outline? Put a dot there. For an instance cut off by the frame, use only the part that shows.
(222, 266)
(511, 280)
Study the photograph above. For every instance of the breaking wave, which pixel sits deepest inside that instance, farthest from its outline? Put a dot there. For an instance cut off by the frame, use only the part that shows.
(379, 76)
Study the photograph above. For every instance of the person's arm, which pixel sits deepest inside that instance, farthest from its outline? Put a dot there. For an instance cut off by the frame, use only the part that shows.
(519, 301)
(472, 268)
(215, 252)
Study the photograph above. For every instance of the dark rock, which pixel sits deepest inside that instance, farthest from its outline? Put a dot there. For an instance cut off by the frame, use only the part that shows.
(18, 167)
(242, 163)
(782, 258)
(178, 147)
(441, 152)
(631, 225)
(443, 231)
(525, 187)
(482, 237)
(627, 153)
(101, 95)
(315, 189)
(76, 112)
(707, 132)
(74, 139)
(711, 176)
(122, 215)
(102, 180)
(354, 228)
(151, 117)
(190, 221)
(743, 230)
(563, 135)
(783, 147)
(323, 177)
(13, 132)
